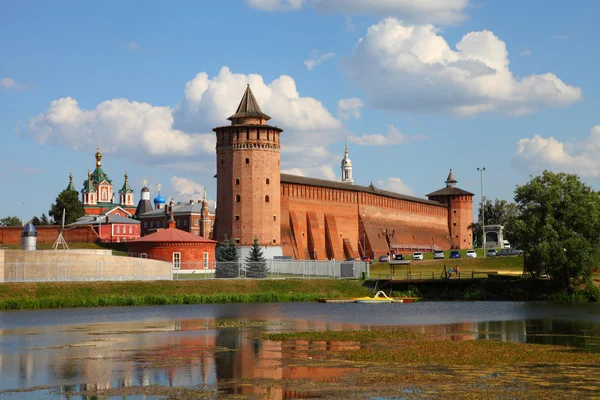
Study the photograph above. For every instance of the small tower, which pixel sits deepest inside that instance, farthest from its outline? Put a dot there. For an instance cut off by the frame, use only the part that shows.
(71, 187)
(248, 179)
(126, 194)
(101, 181)
(205, 219)
(460, 212)
(89, 194)
(347, 167)
(144, 204)
(159, 201)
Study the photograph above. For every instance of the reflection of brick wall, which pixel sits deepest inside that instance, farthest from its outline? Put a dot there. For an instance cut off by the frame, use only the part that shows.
(48, 234)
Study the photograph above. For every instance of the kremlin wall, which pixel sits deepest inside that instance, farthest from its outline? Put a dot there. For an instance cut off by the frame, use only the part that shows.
(293, 216)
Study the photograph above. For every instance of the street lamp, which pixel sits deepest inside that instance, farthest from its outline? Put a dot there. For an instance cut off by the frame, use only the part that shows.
(482, 209)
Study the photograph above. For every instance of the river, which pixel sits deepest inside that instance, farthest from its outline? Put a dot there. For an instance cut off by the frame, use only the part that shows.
(62, 353)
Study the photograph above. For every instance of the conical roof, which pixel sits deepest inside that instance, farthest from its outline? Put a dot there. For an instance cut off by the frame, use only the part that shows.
(451, 178)
(249, 107)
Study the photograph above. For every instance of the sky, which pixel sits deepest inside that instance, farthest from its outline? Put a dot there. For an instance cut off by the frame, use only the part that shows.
(416, 87)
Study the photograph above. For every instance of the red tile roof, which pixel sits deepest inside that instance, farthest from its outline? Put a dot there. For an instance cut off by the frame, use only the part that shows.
(173, 235)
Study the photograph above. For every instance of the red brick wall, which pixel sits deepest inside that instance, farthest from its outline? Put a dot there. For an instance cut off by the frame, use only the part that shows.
(461, 216)
(191, 253)
(49, 233)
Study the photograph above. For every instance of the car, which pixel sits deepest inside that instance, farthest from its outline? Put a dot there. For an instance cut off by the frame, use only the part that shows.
(366, 259)
(506, 244)
(455, 254)
(471, 254)
(384, 258)
(491, 253)
(509, 252)
(398, 256)
(417, 255)
(438, 255)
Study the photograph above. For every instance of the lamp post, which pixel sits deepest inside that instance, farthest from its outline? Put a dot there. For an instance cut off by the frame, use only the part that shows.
(482, 209)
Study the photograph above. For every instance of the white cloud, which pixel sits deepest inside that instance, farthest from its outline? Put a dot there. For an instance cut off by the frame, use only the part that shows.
(526, 52)
(275, 5)
(186, 188)
(434, 11)
(350, 26)
(135, 47)
(580, 157)
(349, 108)
(316, 59)
(395, 185)
(8, 83)
(163, 135)
(324, 171)
(412, 68)
(392, 137)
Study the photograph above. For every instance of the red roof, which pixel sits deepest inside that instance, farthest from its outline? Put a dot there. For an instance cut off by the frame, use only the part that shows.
(173, 235)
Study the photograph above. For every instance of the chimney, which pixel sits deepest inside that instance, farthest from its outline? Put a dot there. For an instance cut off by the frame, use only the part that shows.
(171, 218)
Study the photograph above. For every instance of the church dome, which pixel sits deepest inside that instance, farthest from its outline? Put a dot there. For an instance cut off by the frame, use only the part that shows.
(160, 200)
(145, 189)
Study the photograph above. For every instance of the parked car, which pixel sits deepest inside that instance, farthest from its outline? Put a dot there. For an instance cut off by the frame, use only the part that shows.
(438, 255)
(384, 258)
(366, 259)
(398, 256)
(471, 254)
(492, 253)
(455, 254)
(417, 255)
(506, 244)
(509, 252)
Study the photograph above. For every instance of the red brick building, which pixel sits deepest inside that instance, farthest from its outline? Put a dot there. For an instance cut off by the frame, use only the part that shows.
(308, 218)
(112, 227)
(185, 250)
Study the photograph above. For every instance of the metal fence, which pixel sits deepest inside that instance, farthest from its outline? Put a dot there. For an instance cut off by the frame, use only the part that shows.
(273, 269)
(81, 271)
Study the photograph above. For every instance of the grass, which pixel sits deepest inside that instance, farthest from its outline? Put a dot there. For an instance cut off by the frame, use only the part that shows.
(15, 296)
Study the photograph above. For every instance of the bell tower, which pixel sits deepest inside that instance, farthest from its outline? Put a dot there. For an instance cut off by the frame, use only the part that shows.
(248, 189)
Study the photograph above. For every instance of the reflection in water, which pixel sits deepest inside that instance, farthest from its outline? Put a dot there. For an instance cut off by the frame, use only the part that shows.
(199, 352)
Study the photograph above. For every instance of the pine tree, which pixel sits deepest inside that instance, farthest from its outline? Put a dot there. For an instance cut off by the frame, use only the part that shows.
(69, 201)
(256, 265)
(227, 260)
(45, 220)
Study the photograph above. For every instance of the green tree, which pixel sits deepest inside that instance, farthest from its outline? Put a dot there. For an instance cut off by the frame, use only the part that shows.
(11, 221)
(227, 260)
(256, 265)
(45, 220)
(36, 221)
(69, 201)
(558, 228)
(497, 212)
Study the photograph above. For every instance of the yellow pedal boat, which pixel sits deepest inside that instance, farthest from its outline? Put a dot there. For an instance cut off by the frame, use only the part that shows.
(379, 298)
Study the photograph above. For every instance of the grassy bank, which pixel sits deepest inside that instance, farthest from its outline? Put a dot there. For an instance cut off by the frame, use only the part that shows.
(14, 296)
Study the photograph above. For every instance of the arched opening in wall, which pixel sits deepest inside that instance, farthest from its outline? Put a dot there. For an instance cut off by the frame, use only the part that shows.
(222, 161)
(237, 181)
(268, 181)
(257, 134)
(266, 198)
(247, 133)
(238, 198)
(237, 134)
(274, 240)
(248, 162)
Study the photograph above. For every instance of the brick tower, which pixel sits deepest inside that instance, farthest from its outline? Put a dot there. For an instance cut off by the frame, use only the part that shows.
(248, 191)
(460, 212)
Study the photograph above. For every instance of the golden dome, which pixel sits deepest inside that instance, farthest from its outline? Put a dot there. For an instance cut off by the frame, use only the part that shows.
(98, 158)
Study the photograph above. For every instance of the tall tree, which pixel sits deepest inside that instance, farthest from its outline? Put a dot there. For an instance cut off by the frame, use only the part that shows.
(256, 265)
(11, 221)
(45, 220)
(227, 260)
(69, 201)
(36, 221)
(558, 227)
(497, 212)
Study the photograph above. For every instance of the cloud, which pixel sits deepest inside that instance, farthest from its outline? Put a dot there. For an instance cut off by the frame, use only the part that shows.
(395, 185)
(186, 188)
(349, 108)
(350, 26)
(412, 68)
(135, 47)
(434, 11)
(177, 136)
(324, 171)
(392, 137)
(8, 83)
(275, 5)
(316, 59)
(526, 52)
(562, 36)
(580, 157)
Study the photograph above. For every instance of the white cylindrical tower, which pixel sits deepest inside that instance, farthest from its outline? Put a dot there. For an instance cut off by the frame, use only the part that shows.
(347, 167)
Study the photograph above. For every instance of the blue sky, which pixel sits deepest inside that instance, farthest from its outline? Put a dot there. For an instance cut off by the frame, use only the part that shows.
(418, 89)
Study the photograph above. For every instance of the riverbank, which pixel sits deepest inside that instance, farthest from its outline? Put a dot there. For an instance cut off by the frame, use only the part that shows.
(20, 296)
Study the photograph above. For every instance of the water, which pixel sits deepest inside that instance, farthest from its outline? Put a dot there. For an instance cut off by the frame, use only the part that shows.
(61, 353)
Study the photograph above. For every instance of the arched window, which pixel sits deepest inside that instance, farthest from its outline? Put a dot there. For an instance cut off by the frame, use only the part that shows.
(118, 229)
(266, 198)
(221, 161)
(247, 133)
(237, 181)
(237, 198)
(247, 161)
(268, 181)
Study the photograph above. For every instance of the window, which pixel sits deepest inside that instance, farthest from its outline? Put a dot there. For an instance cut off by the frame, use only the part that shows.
(268, 135)
(130, 229)
(274, 240)
(205, 259)
(247, 161)
(268, 181)
(151, 224)
(145, 224)
(237, 181)
(196, 233)
(195, 221)
(185, 221)
(237, 240)
(118, 229)
(237, 198)
(266, 198)
(178, 222)
(274, 217)
(247, 134)
(143, 255)
(237, 134)
(237, 217)
(222, 161)
(176, 260)
(454, 224)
